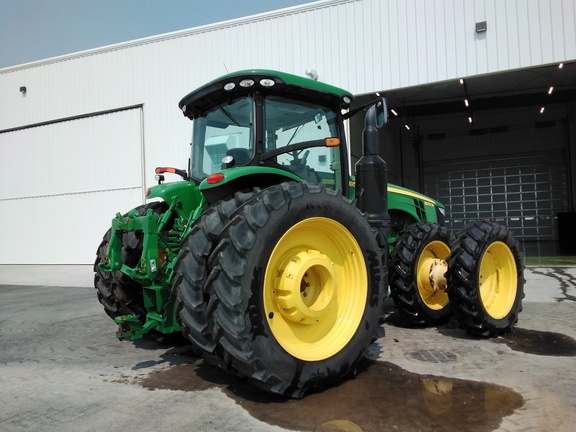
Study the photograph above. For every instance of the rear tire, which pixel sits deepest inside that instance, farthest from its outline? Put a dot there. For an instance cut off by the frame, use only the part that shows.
(295, 289)
(485, 279)
(420, 250)
(191, 270)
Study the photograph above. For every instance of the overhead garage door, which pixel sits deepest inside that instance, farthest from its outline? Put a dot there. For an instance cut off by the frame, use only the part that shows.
(524, 192)
(63, 182)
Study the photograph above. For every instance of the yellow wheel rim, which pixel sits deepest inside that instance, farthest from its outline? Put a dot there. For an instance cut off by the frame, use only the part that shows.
(498, 280)
(315, 289)
(430, 271)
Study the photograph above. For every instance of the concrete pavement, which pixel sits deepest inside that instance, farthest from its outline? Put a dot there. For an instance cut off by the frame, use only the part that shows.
(61, 369)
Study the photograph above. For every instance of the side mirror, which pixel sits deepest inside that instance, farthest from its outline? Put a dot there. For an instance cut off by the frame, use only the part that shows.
(376, 117)
(381, 112)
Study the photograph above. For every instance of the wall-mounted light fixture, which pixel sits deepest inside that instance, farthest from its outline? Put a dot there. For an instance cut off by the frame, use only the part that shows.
(481, 27)
(23, 90)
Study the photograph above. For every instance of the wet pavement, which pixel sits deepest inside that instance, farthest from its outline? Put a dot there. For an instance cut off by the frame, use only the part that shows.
(61, 369)
(381, 397)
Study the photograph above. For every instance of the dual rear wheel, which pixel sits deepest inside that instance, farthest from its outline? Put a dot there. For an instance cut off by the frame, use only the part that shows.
(288, 293)
(477, 277)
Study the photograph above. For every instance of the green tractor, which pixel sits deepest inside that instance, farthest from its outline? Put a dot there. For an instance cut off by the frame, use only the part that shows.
(271, 259)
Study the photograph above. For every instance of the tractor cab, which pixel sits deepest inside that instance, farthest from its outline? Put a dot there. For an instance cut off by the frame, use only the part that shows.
(291, 125)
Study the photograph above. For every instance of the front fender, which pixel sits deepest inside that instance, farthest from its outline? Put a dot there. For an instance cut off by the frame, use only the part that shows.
(420, 207)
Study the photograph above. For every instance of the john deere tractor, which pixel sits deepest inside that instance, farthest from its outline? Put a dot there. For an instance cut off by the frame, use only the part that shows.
(271, 258)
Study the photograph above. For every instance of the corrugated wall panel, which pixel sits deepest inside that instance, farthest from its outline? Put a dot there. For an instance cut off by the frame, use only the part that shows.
(63, 183)
(77, 156)
(362, 45)
(62, 229)
(343, 40)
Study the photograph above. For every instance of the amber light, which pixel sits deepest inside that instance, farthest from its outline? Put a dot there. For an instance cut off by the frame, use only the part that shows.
(161, 170)
(215, 178)
(332, 142)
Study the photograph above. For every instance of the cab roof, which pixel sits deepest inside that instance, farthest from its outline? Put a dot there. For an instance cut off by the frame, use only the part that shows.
(266, 81)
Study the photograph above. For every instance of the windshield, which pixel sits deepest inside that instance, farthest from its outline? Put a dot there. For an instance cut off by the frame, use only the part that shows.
(224, 130)
(289, 122)
(229, 129)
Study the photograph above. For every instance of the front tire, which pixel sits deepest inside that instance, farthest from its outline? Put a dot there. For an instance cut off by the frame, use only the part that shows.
(485, 279)
(119, 294)
(417, 268)
(295, 289)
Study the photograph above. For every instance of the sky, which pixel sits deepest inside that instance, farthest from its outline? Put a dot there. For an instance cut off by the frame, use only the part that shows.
(33, 30)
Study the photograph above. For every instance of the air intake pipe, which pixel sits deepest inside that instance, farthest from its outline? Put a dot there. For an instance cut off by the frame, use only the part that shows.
(372, 174)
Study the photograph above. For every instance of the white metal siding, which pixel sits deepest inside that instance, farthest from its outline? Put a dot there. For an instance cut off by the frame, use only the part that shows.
(360, 45)
(62, 183)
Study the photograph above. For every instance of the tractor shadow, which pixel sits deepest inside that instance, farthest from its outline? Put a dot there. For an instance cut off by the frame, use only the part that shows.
(448, 327)
(519, 339)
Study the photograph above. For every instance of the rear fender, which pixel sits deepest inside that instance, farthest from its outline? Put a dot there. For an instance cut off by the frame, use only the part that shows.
(229, 181)
(186, 192)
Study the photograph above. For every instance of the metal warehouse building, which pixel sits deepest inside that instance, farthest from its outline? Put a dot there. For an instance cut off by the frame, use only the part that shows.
(482, 96)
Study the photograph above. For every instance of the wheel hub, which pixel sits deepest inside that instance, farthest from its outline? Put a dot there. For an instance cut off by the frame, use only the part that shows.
(498, 280)
(438, 270)
(306, 287)
(315, 289)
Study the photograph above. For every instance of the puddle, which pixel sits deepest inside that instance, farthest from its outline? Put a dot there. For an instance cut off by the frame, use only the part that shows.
(382, 397)
(539, 342)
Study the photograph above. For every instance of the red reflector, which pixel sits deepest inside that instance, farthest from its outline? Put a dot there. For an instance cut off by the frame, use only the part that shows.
(148, 191)
(215, 178)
